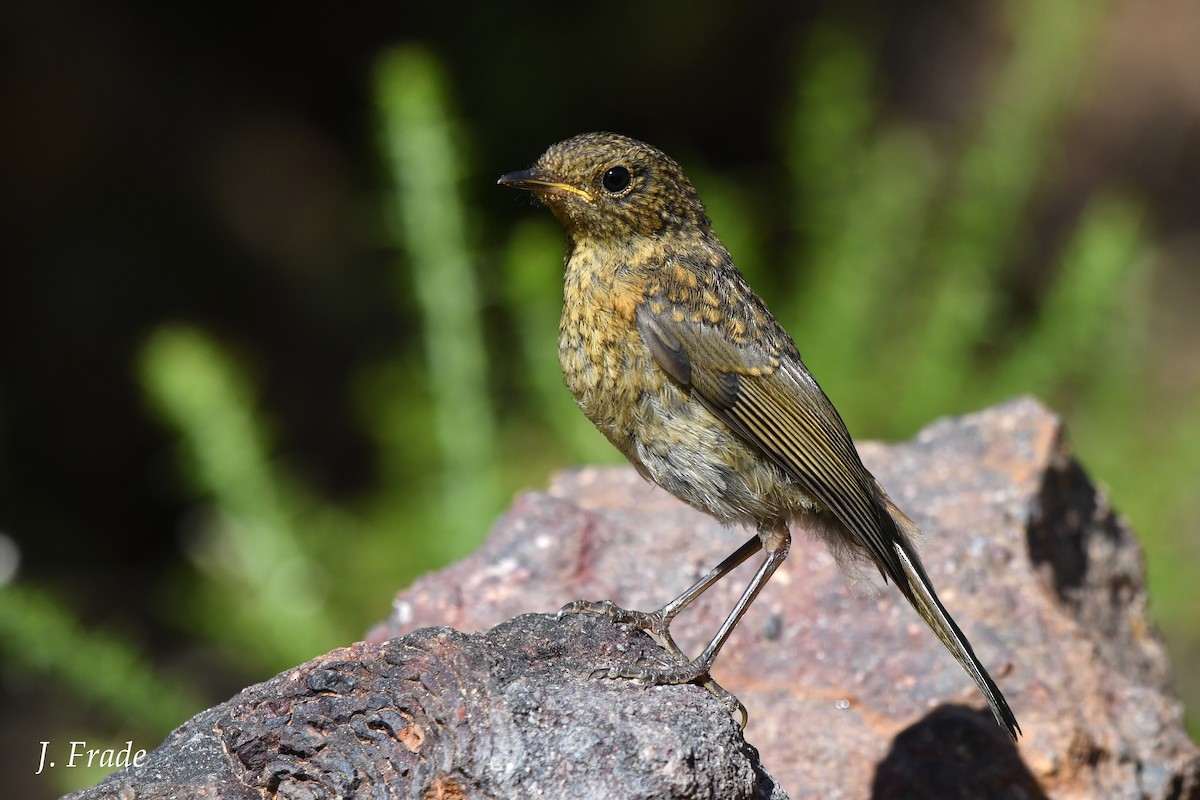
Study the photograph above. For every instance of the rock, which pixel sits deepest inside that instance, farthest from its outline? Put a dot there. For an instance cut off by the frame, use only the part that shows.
(848, 696)
(442, 715)
(851, 696)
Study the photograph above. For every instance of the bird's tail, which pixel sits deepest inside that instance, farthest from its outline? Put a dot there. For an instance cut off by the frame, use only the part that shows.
(919, 591)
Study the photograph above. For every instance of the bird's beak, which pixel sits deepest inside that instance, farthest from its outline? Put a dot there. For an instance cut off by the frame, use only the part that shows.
(539, 182)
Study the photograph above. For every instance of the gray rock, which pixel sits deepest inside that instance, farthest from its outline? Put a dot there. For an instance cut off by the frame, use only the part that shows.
(849, 696)
(509, 713)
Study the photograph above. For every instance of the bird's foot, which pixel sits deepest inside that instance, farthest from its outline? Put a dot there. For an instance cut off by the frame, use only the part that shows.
(642, 620)
(695, 671)
(684, 670)
(653, 622)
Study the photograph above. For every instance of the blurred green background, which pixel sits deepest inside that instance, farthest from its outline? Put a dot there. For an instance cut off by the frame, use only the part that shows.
(272, 343)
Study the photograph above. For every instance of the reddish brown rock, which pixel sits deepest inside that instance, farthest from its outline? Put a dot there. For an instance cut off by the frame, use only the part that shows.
(853, 697)
(849, 697)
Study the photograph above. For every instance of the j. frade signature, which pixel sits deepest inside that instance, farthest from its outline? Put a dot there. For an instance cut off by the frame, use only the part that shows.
(80, 755)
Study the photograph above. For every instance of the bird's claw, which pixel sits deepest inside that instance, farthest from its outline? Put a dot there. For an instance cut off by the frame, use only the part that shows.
(641, 620)
(684, 670)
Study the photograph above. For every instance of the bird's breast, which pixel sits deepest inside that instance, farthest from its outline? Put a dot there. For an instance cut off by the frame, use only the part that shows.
(605, 364)
(657, 423)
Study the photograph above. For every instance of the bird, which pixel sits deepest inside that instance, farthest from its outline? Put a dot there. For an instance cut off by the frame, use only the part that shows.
(680, 364)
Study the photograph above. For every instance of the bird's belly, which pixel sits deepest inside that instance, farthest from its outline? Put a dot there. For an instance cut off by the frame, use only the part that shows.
(672, 439)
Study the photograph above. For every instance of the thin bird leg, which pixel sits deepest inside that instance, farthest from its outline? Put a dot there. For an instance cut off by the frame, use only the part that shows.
(777, 541)
(735, 560)
(658, 622)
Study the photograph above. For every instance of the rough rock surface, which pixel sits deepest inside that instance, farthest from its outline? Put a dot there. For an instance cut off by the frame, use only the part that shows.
(849, 696)
(443, 715)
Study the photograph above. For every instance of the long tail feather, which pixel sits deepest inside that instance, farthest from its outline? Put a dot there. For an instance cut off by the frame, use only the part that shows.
(919, 591)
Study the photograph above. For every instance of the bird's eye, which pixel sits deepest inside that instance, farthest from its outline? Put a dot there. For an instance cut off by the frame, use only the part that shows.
(616, 180)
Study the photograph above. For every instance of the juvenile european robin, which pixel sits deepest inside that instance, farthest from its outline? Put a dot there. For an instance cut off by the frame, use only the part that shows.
(672, 355)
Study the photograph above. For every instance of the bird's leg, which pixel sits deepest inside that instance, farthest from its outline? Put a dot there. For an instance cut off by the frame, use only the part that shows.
(775, 539)
(658, 622)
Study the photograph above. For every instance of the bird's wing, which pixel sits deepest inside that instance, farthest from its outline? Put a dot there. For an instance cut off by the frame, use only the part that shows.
(772, 402)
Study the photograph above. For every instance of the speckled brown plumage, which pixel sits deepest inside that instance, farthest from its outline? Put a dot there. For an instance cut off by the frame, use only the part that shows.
(672, 355)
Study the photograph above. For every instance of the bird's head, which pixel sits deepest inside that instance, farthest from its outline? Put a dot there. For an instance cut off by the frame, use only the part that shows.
(608, 186)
